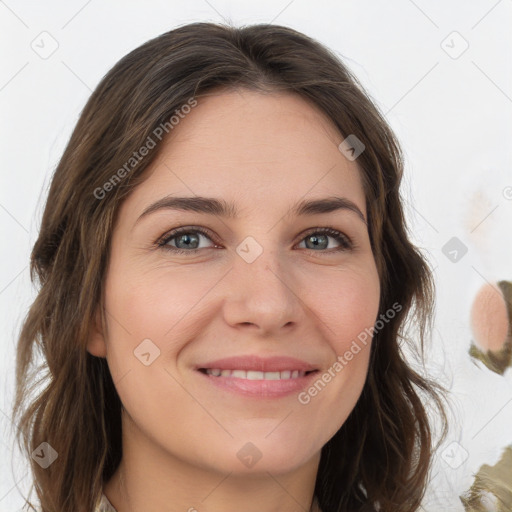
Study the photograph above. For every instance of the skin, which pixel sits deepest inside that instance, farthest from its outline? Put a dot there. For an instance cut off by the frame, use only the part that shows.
(181, 434)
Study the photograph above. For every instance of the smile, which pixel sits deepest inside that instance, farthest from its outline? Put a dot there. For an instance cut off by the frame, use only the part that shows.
(257, 384)
(255, 375)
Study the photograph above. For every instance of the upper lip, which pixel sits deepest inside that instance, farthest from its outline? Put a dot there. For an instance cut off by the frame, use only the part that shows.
(258, 363)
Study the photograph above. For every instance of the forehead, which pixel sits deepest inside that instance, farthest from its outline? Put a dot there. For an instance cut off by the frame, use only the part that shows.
(259, 149)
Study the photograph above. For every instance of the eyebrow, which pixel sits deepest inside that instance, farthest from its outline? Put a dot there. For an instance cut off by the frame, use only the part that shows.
(222, 208)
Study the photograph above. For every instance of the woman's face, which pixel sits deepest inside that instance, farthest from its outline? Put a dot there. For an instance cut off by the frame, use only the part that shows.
(265, 285)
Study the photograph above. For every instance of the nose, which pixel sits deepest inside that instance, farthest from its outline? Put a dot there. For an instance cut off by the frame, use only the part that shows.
(262, 295)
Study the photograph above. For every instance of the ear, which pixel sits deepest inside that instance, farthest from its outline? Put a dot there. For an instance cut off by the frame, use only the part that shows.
(96, 344)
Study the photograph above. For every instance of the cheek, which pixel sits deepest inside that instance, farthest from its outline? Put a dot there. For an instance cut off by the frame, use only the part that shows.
(144, 309)
(152, 303)
(162, 305)
(347, 303)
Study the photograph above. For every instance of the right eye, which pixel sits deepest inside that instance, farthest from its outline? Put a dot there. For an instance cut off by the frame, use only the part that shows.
(184, 240)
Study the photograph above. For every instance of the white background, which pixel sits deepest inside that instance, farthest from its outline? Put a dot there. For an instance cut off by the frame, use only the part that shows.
(452, 116)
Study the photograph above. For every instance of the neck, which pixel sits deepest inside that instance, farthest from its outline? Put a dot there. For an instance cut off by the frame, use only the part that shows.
(148, 478)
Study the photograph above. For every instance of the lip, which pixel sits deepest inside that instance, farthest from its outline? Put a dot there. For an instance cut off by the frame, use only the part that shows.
(259, 388)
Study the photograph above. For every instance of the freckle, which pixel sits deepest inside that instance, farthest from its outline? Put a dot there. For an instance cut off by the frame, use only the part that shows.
(490, 322)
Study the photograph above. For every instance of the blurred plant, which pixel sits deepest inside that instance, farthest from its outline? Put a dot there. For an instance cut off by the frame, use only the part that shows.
(492, 346)
(492, 488)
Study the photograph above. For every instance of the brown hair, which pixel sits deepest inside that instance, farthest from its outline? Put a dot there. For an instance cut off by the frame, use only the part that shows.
(380, 457)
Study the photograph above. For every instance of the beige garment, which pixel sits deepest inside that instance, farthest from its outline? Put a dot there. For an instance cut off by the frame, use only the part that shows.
(105, 505)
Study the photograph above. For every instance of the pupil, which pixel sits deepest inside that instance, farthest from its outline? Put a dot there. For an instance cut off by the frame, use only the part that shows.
(187, 240)
(315, 241)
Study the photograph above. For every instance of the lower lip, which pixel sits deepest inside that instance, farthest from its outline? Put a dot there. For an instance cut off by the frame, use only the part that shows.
(260, 388)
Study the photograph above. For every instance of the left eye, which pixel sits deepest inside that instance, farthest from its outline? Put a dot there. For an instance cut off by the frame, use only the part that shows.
(187, 240)
(319, 239)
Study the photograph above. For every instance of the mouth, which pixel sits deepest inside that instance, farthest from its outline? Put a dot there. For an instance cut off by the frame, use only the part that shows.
(256, 375)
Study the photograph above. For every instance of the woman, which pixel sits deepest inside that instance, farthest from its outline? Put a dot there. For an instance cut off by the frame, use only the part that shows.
(225, 275)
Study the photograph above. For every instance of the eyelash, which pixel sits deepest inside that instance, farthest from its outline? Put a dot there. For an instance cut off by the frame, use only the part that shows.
(345, 242)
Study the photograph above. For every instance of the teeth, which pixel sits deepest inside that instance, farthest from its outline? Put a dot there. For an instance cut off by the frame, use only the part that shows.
(255, 375)
(267, 375)
(251, 375)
